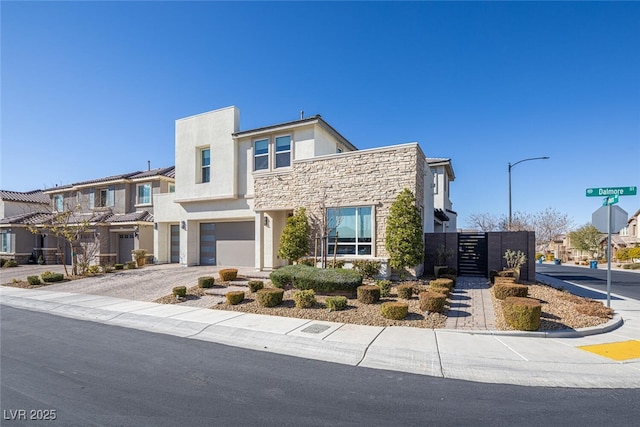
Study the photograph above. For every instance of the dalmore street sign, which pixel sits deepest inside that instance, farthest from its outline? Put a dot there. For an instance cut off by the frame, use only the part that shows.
(612, 191)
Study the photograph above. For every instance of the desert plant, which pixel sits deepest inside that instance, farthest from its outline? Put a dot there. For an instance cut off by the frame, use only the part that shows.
(206, 282)
(504, 290)
(366, 267)
(93, 269)
(394, 310)
(50, 277)
(443, 282)
(318, 279)
(118, 266)
(10, 263)
(180, 291)
(107, 268)
(368, 294)
(522, 314)
(255, 285)
(514, 259)
(131, 265)
(451, 277)
(309, 262)
(228, 274)
(433, 302)
(405, 290)
(33, 280)
(270, 297)
(404, 238)
(335, 263)
(304, 299)
(336, 303)
(140, 255)
(294, 241)
(440, 289)
(385, 287)
(443, 255)
(234, 297)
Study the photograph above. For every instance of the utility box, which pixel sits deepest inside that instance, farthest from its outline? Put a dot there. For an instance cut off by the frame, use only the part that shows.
(619, 219)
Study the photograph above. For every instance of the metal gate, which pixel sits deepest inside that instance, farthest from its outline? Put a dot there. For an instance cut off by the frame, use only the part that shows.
(472, 254)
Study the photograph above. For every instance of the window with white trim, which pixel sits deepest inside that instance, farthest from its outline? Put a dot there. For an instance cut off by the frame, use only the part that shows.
(5, 242)
(283, 151)
(261, 154)
(353, 228)
(205, 165)
(144, 194)
(106, 197)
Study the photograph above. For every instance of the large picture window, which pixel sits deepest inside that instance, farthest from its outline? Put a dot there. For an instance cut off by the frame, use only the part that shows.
(353, 228)
(144, 194)
(283, 151)
(261, 155)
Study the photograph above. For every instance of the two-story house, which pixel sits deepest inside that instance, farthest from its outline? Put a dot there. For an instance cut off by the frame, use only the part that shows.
(445, 218)
(115, 214)
(17, 242)
(236, 188)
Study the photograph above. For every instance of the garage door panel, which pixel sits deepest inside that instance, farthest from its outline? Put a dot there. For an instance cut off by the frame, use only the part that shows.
(227, 244)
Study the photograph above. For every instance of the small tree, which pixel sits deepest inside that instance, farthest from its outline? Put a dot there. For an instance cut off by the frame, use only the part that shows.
(586, 238)
(294, 242)
(404, 238)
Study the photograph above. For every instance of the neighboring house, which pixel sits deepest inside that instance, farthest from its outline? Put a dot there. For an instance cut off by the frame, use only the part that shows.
(235, 190)
(118, 211)
(445, 218)
(15, 204)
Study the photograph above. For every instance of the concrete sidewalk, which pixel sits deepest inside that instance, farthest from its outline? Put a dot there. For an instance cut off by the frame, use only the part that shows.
(531, 359)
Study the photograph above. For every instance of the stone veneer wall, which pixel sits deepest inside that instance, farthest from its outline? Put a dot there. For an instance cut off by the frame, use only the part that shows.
(367, 178)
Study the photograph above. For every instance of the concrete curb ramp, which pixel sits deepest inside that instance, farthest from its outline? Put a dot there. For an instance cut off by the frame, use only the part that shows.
(550, 359)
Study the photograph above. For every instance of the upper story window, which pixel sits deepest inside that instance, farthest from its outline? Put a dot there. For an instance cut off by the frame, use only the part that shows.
(58, 202)
(435, 181)
(283, 151)
(172, 188)
(102, 198)
(353, 228)
(144, 194)
(261, 154)
(205, 165)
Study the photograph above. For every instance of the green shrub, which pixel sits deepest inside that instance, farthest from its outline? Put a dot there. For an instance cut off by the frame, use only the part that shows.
(318, 279)
(635, 266)
(255, 285)
(131, 265)
(294, 239)
(304, 299)
(394, 310)
(405, 290)
(50, 277)
(180, 291)
(118, 266)
(33, 280)
(433, 302)
(385, 287)
(522, 314)
(234, 297)
(446, 271)
(206, 282)
(270, 297)
(443, 283)
(368, 294)
(504, 290)
(404, 239)
(337, 303)
(93, 269)
(10, 263)
(338, 263)
(228, 274)
(440, 289)
(107, 268)
(366, 267)
(309, 262)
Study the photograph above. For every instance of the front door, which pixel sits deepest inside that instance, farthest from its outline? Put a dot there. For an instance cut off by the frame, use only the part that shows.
(175, 243)
(125, 246)
(208, 244)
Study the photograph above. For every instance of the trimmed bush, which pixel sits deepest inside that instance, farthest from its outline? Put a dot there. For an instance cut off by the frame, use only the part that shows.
(385, 287)
(440, 289)
(118, 266)
(33, 280)
(338, 303)
(255, 285)
(234, 297)
(522, 314)
(394, 310)
(405, 290)
(180, 291)
(309, 262)
(504, 280)
(443, 283)
(304, 299)
(504, 290)
(451, 277)
(507, 273)
(227, 274)
(446, 271)
(50, 277)
(319, 279)
(368, 294)
(270, 297)
(10, 263)
(635, 266)
(338, 263)
(433, 302)
(131, 265)
(367, 268)
(206, 282)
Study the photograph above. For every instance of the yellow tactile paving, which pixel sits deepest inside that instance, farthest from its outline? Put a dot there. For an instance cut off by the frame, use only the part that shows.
(623, 350)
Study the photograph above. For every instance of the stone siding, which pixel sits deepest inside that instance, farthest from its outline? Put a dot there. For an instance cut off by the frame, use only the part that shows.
(359, 178)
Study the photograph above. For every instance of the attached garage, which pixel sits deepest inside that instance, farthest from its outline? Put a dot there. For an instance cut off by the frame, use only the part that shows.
(227, 243)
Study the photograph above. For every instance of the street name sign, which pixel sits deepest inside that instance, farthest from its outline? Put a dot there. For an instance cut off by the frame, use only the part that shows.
(610, 200)
(612, 191)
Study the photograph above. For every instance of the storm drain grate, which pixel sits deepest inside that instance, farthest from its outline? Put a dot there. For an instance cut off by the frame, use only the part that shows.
(315, 329)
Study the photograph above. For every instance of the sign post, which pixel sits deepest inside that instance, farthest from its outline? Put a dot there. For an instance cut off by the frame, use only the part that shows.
(611, 198)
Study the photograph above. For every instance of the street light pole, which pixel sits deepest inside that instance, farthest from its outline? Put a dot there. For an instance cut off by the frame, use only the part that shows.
(511, 165)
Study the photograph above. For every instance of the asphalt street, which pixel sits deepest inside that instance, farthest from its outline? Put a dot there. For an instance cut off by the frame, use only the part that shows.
(93, 374)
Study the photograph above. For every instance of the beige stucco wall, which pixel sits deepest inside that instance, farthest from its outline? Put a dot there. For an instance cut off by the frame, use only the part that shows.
(361, 178)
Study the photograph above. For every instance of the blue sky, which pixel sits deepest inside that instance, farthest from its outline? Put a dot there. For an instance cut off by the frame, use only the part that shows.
(92, 89)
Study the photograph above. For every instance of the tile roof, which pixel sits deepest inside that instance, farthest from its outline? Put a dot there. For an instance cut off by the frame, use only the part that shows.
(30, 218)
(132, 217)
(36, 196)
(38, 218)
(166, 171)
